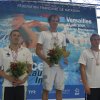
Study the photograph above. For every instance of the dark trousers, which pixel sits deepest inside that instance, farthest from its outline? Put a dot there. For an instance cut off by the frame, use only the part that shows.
(95, 94)
(14, 93)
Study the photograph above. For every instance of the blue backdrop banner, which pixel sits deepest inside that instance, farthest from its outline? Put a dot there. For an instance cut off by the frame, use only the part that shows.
(76, 22)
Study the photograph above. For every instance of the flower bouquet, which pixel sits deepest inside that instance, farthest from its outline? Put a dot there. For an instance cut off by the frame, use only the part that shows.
(17, 69)
(55, 54)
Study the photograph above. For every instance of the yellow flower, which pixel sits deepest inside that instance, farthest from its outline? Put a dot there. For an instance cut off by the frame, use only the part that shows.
(55, 54)
(65, 53)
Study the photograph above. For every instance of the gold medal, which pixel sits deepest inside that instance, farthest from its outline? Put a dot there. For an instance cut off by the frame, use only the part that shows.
(96, 57)
(97, 63)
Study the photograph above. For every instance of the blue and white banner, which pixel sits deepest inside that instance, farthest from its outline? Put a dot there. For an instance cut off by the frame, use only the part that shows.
(70, 91)
(77, 22)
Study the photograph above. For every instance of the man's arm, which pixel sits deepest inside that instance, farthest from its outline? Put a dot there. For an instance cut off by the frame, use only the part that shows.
(39, 49)
(65, 54)
(8, 77)
(17, 82)
(83, 77)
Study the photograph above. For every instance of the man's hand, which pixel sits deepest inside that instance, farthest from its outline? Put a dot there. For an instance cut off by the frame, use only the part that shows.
(18, 82)
(65, 61)
(87, 89)
(8, 77)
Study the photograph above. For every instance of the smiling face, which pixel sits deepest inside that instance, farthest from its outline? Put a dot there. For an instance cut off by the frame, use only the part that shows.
(53, 21)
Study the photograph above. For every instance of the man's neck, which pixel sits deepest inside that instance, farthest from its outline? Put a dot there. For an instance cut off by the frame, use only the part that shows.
(95, 48)
(14, 47)
(53, 30)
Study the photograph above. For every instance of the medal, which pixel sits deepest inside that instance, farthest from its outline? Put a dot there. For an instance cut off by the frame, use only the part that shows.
(96, 57)
(97, 63)
(54, 39)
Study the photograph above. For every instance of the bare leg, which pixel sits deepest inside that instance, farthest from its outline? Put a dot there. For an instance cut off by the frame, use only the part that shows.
(58, 95)
(45, 95)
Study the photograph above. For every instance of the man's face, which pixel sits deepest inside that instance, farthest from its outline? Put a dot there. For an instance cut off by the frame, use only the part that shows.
(15, 37)
(95, 41)
(54, 22)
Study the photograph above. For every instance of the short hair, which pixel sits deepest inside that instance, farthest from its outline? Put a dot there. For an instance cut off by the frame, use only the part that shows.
(52, 16)
(94, 35)
(13, 31)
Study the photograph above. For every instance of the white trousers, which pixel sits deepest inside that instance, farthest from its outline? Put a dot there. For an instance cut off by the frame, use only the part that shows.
(53, 76)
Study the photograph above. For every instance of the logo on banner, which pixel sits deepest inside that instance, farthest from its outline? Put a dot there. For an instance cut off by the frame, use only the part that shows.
(77, 91)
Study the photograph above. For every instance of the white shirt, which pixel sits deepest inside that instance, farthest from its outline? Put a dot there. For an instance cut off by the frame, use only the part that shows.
(45, 38)
(6, 57)
(92, 70)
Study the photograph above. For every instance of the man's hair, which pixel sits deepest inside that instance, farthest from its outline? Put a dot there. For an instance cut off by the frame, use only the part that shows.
(53, 16)
(94, 35)
(13, 31)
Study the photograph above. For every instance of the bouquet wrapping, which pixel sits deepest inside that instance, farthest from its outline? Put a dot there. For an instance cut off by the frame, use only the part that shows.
(17, 69)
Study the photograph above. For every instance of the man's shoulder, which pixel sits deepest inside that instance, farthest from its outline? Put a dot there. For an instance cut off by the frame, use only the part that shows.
(86, 50)
(25, 49)
(61, 33)
(44, 32)
(5, 48)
